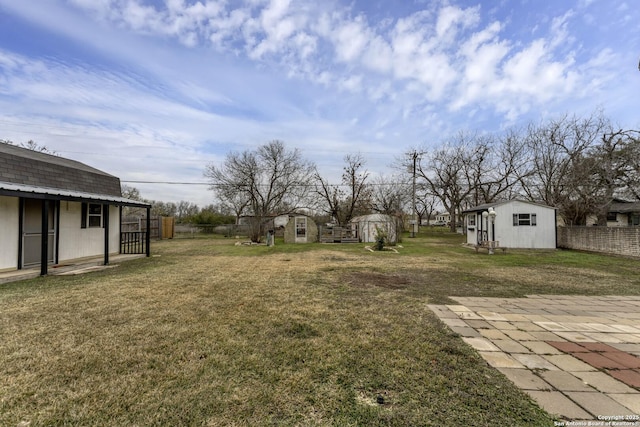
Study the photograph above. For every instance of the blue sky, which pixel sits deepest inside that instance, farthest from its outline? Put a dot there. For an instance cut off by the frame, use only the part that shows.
(154, 90)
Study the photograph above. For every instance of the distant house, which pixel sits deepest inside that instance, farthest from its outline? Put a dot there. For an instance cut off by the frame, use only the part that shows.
(300, 229)
(517, 224)
(366, 227)
(622, 213)
(55, 210)
(443, 218)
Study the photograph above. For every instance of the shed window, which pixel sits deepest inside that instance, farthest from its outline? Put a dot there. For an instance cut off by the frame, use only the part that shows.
(471, 220)
(301, 227)
(91, 215)
(521, 219)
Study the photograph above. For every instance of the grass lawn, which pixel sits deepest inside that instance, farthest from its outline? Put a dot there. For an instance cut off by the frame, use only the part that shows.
(209, 333)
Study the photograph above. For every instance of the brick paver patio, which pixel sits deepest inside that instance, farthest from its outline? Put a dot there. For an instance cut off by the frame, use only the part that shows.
(578, 357)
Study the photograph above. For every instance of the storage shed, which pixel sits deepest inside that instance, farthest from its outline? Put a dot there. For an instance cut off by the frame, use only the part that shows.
(366, 226)
(55, 210)
(300, 229)
(513, 224)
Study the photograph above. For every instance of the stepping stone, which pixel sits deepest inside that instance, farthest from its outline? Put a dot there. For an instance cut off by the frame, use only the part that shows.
(480, 344)
(604, 383)
(525, 379)
(564, 381)
(598, 403)
(557, 403)
(533, 361)
(500, 360)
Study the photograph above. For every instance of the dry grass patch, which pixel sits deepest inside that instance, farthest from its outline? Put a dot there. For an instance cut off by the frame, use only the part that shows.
(212, 334)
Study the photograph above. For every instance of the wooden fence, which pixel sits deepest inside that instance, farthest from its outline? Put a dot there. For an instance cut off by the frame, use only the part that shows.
(162, 227)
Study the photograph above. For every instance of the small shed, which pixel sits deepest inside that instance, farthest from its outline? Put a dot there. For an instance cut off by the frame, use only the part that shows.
(300, 229)
(366, 227)
(516, 224)
(55, 210)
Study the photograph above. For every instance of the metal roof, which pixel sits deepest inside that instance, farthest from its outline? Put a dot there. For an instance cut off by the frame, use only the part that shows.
(39, 192)
(486, 206)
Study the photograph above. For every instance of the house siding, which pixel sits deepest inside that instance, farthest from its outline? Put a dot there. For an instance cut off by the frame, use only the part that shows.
(540, 236)
(76, 242)
(9, 229)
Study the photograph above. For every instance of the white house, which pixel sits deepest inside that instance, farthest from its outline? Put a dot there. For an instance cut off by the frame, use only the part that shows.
(622, 213)
(366, 227)
(55, 210)
(444, 217)
(515, 224)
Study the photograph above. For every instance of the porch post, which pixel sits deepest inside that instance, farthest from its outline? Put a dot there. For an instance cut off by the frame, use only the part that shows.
(20, 231)
(148, 236)
(105, 218)
(120, 229)
(44, 238)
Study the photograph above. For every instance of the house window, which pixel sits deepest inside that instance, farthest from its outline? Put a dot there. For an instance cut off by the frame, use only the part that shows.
(612, 216)
(524, 219)
(91, 215)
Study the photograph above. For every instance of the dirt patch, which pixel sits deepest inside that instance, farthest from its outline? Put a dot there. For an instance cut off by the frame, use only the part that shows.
(366, 279)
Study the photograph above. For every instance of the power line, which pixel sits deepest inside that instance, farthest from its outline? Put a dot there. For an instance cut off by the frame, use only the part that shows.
(168, 182)
(378, 184)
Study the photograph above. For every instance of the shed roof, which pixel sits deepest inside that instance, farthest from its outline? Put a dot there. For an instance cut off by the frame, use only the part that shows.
(28, 173)
(376, 217)
(31, 191)
(27, 167)
(486, 206)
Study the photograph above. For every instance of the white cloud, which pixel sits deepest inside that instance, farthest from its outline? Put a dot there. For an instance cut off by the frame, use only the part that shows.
(350, 39)
(450, 17)
(315, 74)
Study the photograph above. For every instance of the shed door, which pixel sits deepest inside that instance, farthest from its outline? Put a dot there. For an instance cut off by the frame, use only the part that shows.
(301, 229)
(32, 232)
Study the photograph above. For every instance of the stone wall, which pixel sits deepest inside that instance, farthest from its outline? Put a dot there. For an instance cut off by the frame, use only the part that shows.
(612, 240)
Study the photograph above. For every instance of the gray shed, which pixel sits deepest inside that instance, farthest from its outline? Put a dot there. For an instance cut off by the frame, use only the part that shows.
(300, 229)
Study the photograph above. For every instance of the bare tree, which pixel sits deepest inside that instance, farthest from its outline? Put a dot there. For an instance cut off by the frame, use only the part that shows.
(31, 145)
(450, 173)
(426, 203)
(352, 197)
(232, 201)
(185, 209)
(355, 177)
(272, 180)
(497, 167)
(611, 170)
(561, 169)
(390, 195)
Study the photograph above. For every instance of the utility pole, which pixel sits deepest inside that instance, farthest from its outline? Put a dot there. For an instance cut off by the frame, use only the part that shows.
(414, 225)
